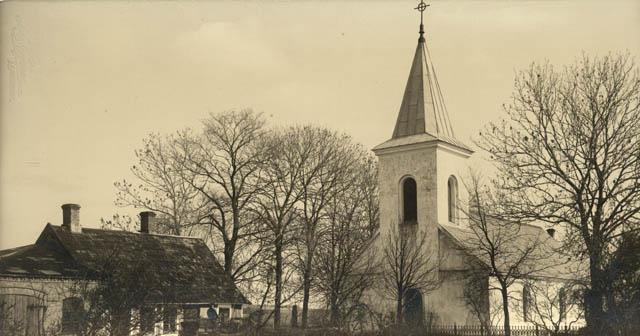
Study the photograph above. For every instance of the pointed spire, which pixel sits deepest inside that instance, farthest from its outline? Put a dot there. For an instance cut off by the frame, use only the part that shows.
(423, 109)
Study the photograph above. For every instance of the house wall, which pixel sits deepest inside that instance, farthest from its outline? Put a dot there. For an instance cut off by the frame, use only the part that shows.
(51, 293)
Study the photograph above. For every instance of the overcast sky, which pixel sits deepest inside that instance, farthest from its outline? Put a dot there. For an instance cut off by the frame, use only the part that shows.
(83, 82)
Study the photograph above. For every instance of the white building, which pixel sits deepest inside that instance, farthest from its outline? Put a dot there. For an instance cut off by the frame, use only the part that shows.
(420, 181)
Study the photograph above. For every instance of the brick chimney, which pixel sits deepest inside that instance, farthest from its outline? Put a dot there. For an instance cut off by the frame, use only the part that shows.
(551, 232)
(147, 222)
(71, 218)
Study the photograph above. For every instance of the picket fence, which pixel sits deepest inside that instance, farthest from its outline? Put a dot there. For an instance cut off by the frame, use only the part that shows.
(454, 330)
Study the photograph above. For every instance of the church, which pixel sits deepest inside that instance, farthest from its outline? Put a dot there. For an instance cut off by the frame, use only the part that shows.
(420, 169)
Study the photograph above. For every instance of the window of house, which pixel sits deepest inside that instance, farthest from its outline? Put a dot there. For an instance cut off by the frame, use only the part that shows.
(224, 313)
(236, 310)
(72, 313)
(452, 192)
(147, 319)
(409, 201)
(169, 317)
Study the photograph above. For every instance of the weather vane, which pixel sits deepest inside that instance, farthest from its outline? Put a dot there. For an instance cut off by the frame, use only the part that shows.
(421, 8)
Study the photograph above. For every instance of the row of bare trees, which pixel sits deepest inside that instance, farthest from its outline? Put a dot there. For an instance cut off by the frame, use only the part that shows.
(290, 211)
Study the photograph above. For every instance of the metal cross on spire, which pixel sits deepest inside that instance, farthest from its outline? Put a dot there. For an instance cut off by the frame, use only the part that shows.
(421, 8)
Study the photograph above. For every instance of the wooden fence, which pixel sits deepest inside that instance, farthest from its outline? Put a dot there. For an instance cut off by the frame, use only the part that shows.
(454, 330)
(434, 331)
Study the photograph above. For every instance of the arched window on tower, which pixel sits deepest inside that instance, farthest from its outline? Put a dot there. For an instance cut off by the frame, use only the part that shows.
(409, 201)
(452, 188)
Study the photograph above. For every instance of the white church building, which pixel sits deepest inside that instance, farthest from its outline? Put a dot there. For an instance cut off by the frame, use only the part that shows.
(420, 183)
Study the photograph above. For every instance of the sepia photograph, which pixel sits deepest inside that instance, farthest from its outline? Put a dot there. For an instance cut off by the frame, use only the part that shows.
(319, 168)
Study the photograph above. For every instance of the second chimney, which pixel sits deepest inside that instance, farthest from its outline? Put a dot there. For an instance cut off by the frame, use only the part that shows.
(148, 222)
(71, 218)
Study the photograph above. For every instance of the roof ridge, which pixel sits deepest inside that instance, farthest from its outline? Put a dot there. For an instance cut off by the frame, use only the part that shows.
(134, 232)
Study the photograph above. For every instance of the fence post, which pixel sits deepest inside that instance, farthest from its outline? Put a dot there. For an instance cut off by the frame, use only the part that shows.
(455, 329)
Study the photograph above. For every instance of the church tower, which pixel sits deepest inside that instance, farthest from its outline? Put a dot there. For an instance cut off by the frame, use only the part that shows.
(419, 165)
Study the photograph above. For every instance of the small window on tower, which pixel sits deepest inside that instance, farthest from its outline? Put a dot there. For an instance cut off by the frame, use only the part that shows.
(409, 201)
(452, 187)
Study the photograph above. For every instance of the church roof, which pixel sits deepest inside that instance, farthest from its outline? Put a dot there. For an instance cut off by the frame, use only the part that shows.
(423, 112)
(422, 138)
(547, 260)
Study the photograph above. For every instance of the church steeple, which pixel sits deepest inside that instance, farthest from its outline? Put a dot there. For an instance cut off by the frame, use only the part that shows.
(423, 110)
(418, 173)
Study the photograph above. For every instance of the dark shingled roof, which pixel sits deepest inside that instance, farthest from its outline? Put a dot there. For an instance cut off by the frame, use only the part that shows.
(184, 264)
(39, 261)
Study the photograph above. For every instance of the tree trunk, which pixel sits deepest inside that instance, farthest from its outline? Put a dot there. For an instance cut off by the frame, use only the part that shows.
(306, 289)
(399, 309)
(278, 294)
(594, 312)
(335, 310)
(229, 248)
(505, 310)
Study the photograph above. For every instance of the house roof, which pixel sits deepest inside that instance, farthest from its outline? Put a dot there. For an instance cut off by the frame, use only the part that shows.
(39, 261)
(184, 264)
(546, 261)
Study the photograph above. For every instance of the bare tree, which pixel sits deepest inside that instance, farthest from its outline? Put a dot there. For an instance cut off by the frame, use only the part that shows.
(345, 258)
(108, 297)
(568, 155)
(318, 184)
(500, 249)
(407, 265)
(331, 170)
(289, 152)
(160, 187)
(224, 163)
(204, 184)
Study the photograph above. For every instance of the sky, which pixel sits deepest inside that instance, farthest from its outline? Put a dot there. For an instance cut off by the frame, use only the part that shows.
(81, 83)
